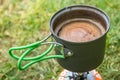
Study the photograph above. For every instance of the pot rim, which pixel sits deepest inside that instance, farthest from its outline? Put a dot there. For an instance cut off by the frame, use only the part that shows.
(75, 7)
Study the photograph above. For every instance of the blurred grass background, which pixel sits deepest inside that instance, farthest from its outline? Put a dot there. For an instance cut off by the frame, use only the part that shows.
(27, 21)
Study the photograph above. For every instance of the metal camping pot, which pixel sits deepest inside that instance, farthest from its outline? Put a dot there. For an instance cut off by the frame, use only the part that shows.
(73, 56)
(86, 55)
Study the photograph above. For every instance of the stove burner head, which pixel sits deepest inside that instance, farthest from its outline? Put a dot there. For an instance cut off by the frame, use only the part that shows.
(90, 75)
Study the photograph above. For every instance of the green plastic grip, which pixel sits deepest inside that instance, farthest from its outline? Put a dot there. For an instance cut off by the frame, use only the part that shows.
(35, 59)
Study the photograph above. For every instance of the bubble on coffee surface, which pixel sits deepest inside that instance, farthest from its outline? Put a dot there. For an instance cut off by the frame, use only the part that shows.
(81, 30)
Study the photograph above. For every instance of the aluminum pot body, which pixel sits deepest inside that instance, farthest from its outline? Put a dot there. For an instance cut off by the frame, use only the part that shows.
(86, 55)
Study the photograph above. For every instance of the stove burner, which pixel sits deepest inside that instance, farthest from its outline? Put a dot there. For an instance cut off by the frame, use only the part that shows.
(68, 75)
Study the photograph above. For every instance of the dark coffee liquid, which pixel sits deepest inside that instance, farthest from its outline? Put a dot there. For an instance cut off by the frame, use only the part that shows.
(80, 30)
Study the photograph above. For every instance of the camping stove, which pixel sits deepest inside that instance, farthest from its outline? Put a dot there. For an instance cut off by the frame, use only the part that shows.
(90, 75)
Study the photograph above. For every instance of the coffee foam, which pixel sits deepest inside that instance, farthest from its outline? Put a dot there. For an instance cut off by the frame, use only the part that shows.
(80, 30)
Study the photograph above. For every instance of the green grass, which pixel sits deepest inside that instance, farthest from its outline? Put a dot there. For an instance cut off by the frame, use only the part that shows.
(27, 21)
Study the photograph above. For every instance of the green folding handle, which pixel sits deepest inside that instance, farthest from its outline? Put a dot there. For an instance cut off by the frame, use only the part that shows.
(35, 59)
